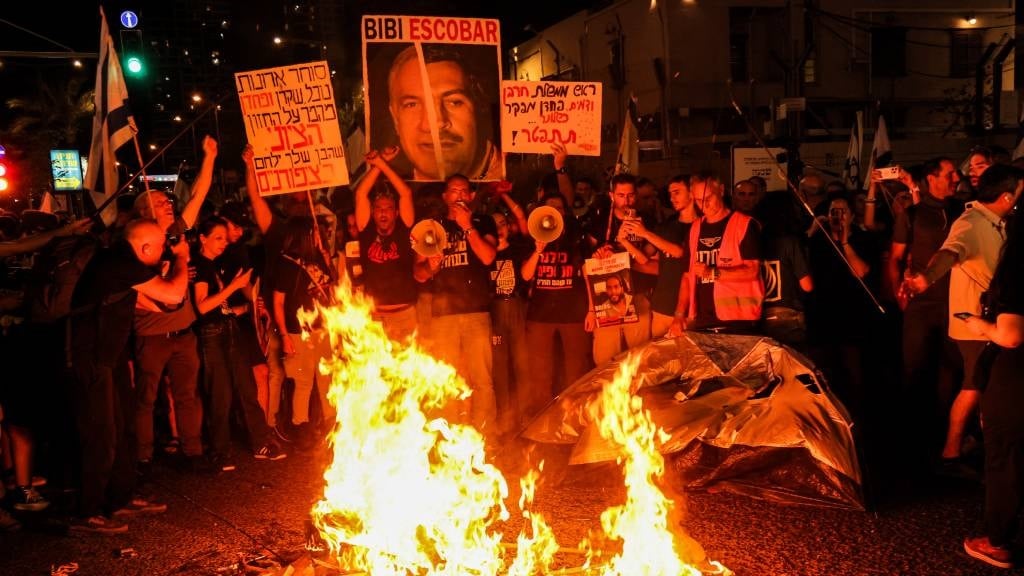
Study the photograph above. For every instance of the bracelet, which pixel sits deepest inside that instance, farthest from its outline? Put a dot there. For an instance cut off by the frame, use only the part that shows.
(869, 200)
(562, 170)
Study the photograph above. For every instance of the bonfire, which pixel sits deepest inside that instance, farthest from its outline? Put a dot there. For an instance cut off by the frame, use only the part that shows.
(411, 490)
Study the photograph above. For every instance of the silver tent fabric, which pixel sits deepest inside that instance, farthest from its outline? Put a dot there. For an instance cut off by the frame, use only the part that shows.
(742, 413)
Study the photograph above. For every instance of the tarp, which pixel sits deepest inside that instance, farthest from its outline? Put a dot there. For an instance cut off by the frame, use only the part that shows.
(742, 414)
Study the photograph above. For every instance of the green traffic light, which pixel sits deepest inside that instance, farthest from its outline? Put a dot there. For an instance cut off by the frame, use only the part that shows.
(134, 65)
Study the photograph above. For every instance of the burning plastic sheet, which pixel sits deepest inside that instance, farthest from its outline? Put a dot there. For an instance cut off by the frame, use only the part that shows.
(740, 413)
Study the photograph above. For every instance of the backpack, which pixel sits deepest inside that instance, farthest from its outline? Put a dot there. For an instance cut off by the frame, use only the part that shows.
(54, 275)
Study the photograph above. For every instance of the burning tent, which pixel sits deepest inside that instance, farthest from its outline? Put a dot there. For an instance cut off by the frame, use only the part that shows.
(740, 413)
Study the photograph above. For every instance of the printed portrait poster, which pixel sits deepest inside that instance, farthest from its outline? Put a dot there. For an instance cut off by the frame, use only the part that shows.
(432, 89)
(535, 115)
(292, 123)
(611, 289)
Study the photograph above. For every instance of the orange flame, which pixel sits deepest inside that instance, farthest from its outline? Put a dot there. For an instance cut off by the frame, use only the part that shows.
(650, 546)
(408, 492)
(405, 493)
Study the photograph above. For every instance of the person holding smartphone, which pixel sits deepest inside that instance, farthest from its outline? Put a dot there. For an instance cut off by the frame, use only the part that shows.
(1001, 400)
(969, 254)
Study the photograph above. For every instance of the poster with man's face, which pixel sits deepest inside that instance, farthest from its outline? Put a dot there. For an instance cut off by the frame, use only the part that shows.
(432, 89)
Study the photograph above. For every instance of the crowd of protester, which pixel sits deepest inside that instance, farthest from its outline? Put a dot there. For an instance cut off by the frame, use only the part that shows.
(184, 325)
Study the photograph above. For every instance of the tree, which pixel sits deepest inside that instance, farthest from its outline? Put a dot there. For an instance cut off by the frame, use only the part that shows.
(54, 116)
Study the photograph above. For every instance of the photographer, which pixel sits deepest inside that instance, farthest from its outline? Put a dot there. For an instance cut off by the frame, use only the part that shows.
(840, 316)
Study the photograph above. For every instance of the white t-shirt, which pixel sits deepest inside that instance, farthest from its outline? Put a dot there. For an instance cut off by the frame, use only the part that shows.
(977, 239)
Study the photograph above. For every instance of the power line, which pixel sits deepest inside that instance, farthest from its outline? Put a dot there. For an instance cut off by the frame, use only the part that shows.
(866, 54)
(870, 25)
(37, 35)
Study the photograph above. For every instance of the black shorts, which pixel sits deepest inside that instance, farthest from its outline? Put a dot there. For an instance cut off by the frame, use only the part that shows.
(970, 350)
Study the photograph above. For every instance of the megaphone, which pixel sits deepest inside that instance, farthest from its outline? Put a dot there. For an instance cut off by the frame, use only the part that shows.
(428, 238)
(545, 224)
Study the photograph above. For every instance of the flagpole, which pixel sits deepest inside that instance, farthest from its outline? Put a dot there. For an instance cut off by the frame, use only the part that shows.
(142, 169)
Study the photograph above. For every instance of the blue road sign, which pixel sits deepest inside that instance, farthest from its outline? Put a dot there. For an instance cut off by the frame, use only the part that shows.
(129, 19)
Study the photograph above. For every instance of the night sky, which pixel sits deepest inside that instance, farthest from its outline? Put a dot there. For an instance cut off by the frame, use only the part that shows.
(247, 45)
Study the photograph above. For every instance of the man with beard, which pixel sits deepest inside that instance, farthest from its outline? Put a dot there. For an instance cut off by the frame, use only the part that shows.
(461, 298)
(385, 253)
(620, 302)
(462, 143)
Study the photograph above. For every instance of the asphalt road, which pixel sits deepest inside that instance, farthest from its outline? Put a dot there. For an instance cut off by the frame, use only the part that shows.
(262, 508)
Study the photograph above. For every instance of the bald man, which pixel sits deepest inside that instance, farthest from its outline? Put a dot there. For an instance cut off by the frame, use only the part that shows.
(104, 303)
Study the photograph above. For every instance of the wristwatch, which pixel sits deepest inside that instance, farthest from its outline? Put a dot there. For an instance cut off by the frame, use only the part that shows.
(562, 170)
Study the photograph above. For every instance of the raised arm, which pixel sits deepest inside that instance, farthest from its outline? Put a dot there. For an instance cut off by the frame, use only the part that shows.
(260, 209)
(201, 187)
(503, 189)
(561, 157)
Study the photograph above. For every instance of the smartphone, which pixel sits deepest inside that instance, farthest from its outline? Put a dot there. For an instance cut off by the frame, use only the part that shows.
(962, 315)
(889, 173)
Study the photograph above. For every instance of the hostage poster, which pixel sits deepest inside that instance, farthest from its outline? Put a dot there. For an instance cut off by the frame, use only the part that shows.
(432, 89)
(611, 289)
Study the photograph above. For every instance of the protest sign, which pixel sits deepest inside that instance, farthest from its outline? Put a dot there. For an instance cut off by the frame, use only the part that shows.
(535, 115)
(431, 89)
(611, 289)
(292, 124)
(750, 162)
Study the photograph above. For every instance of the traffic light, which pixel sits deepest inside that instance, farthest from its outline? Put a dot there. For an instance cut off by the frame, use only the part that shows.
(132, 53)
(134, 65)
(5, 182)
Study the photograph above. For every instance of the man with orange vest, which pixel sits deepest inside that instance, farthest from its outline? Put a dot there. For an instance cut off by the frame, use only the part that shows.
(722, 287)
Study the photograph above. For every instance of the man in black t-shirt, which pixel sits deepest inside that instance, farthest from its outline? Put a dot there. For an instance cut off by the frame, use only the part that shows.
(461, 322)
(931, 361)
(556, 312)
(610, 235)
(104, 402)
(386, 256)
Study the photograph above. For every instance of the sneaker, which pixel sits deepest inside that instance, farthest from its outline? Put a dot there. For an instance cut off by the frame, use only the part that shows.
(140, 505)
(983, 550)
(173, 446)
(98, 524)
(222, 463)
(8, 523)
(26, 498)
(271, 451)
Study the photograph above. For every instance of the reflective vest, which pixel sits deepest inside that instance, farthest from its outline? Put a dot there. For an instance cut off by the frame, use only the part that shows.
(734, 299)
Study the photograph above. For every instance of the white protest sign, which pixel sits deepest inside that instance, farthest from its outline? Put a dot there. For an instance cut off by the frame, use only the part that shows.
(535, 115)
(292, 124)
(749, 162)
